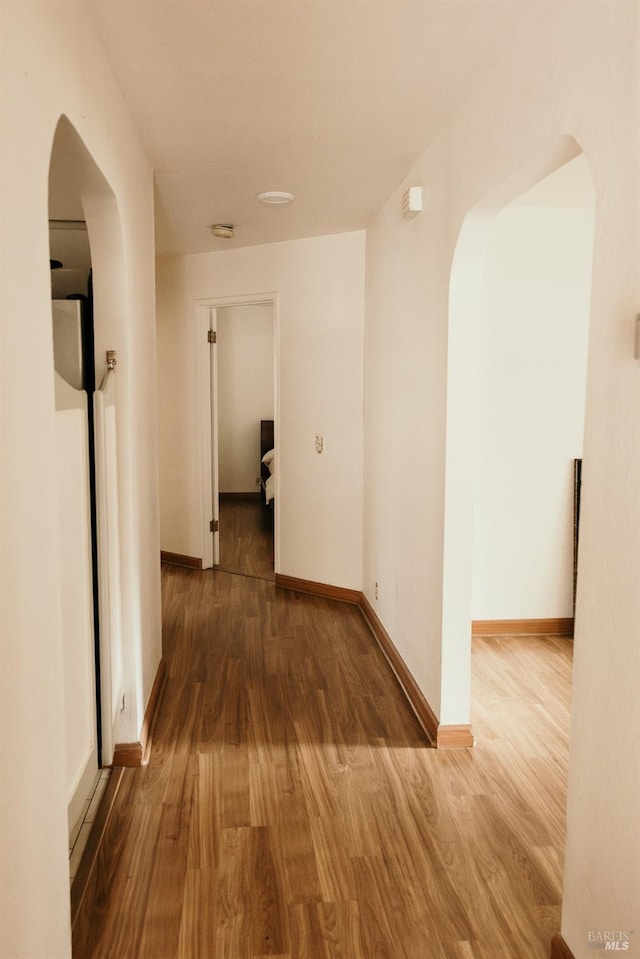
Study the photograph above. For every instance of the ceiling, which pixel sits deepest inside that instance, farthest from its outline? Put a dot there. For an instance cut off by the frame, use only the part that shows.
(332, 100)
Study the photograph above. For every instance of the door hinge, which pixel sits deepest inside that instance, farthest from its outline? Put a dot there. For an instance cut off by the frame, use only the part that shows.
(214, 526)
(212, 336)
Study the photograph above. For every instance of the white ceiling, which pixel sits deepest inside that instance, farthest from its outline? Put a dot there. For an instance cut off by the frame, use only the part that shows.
(332, 100)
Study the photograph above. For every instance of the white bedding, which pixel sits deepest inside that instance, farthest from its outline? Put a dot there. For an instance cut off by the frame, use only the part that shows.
(269, 460)
(269, 489)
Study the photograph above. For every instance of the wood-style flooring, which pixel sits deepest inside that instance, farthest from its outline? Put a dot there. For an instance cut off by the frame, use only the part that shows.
(291, 809)
(246, 537)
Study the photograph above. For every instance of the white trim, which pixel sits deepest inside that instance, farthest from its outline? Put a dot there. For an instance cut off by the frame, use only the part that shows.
(203, 414)
(215, 461)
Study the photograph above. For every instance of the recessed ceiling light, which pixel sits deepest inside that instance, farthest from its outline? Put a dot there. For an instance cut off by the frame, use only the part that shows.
(223, 230)
(275, 196)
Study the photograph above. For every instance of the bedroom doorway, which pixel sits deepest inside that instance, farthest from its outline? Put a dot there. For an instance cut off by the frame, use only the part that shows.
(238, 400)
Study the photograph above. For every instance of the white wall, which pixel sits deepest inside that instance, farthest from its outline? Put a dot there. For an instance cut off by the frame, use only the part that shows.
(53, 65)
(532, 366)
(575, 72)
(319, 337)
(246, 361)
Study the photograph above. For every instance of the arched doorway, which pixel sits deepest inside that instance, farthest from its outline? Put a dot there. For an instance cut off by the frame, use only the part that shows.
(88, 319)
(467, 293)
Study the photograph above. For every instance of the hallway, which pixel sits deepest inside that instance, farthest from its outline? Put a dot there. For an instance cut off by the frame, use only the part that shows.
(291, 808)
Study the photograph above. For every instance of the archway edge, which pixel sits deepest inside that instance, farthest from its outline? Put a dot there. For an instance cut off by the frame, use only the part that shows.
(80, 176)
(465, 291)
(79, 190)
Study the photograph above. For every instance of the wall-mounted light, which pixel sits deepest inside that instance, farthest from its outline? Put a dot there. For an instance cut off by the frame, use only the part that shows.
(412, 202)
(275, 197)
(224, 230)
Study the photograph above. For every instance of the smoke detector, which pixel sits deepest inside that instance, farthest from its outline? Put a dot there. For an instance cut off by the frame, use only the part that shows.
(275, 197)
(223, 230)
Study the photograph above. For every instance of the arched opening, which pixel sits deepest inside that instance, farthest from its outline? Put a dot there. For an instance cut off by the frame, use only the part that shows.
(478, 348)
(532, 368)
(88, 318)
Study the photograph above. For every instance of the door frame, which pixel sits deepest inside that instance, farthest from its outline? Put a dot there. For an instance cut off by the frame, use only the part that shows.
(206, 386)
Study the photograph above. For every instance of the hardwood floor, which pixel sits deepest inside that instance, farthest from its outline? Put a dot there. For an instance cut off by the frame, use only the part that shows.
(246, 537)
(291, 809)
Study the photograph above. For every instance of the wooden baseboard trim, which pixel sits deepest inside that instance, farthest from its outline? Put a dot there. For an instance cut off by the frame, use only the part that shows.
(177, 559)
(454, 737)
(137, 754)
(240, 497)
(89, 858)
(559, 949)
(352, 596)
(151, 712)
(522, 627)
(414, 694)
(128, 754)
(443, 737)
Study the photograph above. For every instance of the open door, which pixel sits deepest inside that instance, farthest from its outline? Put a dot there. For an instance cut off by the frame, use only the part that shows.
(212, 339)
(213, 398)
(208, 377)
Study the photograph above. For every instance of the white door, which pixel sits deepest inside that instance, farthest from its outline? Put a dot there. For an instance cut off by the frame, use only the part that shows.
(208, 377)
(215, 477)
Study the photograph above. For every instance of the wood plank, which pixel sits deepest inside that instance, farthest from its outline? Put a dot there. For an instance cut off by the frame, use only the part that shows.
(246, 538)
(164, 906)
(414, 694)
(559, 949)
(292, 808)
(90, 855)
(198, 924)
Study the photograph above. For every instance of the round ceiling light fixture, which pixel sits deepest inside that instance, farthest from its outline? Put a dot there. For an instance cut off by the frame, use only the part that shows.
(275, 197)
(223, 230)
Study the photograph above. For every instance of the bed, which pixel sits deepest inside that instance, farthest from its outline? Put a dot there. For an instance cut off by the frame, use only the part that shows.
(267, 464)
